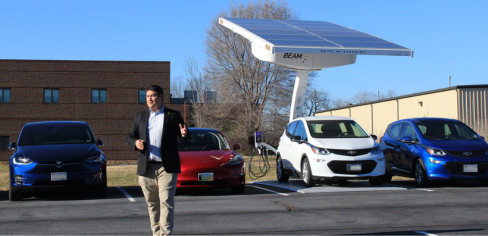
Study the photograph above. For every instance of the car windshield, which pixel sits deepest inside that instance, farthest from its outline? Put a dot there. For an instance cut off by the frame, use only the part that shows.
(204, 141)
(336, 129)
(445, 130)
(55, 135)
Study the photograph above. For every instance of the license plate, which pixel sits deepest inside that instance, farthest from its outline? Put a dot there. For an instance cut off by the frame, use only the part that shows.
(470, 168)
(354, 167)
(205, 177)
(59, 176)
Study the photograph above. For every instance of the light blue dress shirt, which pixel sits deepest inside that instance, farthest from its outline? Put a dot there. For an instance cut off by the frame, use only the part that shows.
(155, 134)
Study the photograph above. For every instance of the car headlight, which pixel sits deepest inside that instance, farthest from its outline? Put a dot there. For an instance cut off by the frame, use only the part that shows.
(237, 159)
(22, 161)
(376, 150)
(317, 150)
(432, 160)
(97, 158)
(435, 152)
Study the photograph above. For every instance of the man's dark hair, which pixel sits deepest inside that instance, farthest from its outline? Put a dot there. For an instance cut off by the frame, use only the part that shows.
(155, 88)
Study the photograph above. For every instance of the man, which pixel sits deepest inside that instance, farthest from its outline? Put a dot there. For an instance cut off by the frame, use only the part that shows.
(154, 135)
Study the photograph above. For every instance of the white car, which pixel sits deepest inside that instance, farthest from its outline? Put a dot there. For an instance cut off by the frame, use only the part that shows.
(328, 148)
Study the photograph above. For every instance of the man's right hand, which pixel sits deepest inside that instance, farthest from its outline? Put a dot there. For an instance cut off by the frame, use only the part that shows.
(140, 144)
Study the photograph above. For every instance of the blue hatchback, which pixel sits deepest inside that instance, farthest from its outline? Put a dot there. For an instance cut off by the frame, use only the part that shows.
(434, 149)
(56, 154)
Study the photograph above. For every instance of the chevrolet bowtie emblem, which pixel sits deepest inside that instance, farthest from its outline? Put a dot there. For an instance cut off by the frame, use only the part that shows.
(352, 152)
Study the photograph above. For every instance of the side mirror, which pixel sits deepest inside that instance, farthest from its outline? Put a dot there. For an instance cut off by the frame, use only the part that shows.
(237, 146)
(482, 137)
(99, 143)
(12, 146)
(374, 137)
(406, 140)
(296, 138)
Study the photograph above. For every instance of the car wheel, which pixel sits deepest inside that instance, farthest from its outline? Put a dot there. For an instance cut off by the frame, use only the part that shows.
(101, 191)
(307, 174)
(420, 174)
(238, 189)
(12, 194)
(387, 176)
(377, 180)
(484, 182)
(280, 173)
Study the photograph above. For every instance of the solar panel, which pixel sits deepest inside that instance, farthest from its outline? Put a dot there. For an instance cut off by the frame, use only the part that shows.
(316, 36)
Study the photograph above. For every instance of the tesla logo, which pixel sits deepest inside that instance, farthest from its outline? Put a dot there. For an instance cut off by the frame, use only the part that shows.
(467, 153)
(58, 164)
(218, 158)
(352, 152)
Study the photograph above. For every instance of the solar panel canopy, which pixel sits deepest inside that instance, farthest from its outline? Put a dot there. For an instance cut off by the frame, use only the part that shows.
(311, 45)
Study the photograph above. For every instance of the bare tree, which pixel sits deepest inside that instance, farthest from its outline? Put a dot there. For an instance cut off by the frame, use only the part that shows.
(389, 94)
(245, 79)
(199, 85)
(316, 99)
(178, 85)
(363, 96)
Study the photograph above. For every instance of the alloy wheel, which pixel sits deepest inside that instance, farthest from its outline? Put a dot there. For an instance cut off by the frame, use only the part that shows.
(305, 172)
(419, 173)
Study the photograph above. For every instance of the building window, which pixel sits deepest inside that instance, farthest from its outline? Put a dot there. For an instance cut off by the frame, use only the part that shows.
(4, 143)
(51, 95)
(4, 95)
(99, 96)
(142, 96)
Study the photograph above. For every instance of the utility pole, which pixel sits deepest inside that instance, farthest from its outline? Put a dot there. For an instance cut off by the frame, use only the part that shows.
(449, 81)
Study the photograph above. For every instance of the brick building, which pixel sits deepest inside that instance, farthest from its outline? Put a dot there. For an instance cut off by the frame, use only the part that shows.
(105, 94)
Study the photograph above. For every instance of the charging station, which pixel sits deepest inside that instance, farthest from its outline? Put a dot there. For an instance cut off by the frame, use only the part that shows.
(307, 46)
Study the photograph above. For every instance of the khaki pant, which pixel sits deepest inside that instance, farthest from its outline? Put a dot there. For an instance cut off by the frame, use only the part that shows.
(159, 188)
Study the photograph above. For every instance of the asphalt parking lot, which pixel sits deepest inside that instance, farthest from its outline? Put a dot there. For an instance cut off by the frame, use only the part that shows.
(265, 208)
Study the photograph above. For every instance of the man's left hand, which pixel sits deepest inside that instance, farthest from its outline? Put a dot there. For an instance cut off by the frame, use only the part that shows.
(183, 130)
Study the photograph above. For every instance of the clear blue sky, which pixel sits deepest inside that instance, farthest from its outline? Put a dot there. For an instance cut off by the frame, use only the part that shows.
(448, 37)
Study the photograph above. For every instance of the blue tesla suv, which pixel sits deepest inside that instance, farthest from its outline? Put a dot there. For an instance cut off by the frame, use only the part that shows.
(434, 149)
(56, 154)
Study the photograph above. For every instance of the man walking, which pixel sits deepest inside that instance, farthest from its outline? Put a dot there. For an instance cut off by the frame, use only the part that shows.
(154, 135)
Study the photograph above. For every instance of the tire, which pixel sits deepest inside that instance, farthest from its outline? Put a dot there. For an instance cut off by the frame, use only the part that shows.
(377, 180)
(102, 190)
(307, 174)
(238, 189)
(484, 182)
(420, 174)
(12, 194)
(280, 171)
(387, 176)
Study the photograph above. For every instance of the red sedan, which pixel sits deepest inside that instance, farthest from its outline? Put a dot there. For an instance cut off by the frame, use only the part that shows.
(208, 161)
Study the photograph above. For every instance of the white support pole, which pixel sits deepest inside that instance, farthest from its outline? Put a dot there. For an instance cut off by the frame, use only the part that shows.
(298, 98)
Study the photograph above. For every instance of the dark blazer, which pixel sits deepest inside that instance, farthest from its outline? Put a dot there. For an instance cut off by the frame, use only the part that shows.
(169, 148)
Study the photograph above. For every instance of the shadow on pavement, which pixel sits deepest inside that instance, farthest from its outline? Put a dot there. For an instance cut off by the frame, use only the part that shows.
(431, 232)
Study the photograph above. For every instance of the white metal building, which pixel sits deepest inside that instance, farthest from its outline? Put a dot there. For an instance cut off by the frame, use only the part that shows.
(467, 103)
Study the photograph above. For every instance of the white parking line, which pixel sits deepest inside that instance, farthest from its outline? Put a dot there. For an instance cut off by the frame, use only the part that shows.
(428, 190)
(265, 189)
(423, 232)
(126, 194)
